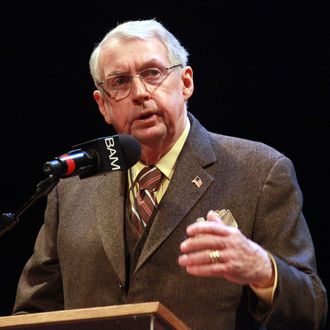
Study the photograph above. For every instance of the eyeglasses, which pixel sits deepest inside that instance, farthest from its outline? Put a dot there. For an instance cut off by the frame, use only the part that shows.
(119, 86)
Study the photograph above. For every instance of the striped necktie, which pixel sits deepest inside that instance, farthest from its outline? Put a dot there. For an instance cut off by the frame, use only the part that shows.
(149, 180)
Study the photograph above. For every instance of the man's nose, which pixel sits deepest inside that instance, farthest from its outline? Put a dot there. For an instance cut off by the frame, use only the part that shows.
(139, 88)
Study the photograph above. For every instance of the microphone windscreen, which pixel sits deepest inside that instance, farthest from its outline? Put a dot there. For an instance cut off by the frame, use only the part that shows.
(112, 153)
(131, 149)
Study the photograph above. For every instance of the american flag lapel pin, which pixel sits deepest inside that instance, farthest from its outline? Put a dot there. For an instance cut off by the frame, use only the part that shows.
(197, 181)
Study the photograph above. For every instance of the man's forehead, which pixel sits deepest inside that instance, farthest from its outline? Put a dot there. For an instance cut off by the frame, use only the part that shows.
(134, 51)
(133, 45)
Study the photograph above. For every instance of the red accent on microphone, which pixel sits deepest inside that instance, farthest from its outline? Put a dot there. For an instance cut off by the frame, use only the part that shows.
(70, 163)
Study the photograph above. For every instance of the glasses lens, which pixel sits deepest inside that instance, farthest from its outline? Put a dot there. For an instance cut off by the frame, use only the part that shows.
(153, 76)
(119, 86)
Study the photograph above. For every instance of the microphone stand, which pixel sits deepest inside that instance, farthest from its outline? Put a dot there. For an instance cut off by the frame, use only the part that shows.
(10, 219)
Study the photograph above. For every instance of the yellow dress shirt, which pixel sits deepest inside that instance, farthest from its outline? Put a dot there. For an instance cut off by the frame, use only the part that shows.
(165, 165)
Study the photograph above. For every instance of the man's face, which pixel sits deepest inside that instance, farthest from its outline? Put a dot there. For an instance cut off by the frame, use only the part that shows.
(153, 117)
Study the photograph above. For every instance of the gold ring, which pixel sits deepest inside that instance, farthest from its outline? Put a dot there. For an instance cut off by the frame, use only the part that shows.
(214, 256)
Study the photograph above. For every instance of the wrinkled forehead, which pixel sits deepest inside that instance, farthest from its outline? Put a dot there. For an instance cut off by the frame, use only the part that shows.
(133, 52)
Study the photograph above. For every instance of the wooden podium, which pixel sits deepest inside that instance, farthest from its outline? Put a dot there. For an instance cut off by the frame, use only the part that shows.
(142, 316)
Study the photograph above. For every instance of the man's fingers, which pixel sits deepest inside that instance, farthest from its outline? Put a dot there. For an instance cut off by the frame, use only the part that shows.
(203, 242)
(209, 227)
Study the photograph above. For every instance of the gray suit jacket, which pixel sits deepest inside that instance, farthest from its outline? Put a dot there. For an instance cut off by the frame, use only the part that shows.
(79, 258)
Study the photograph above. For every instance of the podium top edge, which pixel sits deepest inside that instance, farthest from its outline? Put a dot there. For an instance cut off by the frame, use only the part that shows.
(92, 313)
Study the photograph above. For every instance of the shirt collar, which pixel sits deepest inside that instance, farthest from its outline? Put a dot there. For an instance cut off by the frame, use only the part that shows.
(167, 162)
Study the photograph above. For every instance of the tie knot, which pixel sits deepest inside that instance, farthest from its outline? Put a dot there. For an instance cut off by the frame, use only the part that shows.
(149, 178)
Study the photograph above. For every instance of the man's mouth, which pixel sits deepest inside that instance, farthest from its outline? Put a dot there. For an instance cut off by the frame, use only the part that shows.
(145, 116)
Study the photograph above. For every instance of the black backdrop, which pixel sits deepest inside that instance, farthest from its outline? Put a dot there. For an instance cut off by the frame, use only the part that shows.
(261, 72)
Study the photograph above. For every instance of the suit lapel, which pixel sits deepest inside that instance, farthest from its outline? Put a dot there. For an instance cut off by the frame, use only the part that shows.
(110, 219)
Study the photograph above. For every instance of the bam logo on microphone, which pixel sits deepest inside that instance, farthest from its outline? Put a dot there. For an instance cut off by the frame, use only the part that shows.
(110, 143)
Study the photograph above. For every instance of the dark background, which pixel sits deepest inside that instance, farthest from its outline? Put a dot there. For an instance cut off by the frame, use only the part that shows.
(261, 72)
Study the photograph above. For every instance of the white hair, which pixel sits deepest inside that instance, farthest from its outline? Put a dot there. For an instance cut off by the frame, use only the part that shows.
(144, 30)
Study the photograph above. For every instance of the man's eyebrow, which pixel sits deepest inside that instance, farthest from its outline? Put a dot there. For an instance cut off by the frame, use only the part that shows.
(116, 73)
(154, 62)
(150, 63)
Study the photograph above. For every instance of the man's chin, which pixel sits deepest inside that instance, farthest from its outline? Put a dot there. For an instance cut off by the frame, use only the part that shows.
(149, 135)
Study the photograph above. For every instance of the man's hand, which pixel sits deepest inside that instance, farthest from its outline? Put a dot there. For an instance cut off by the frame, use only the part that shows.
(214, 249)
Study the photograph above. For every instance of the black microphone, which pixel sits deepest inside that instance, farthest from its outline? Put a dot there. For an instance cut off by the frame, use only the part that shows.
(113, 153)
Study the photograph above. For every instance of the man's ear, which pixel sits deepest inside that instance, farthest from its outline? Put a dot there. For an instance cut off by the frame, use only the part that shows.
(188, 82)
(99, 98)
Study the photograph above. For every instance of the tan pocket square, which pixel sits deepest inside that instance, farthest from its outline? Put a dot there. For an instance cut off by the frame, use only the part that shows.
(226, 217)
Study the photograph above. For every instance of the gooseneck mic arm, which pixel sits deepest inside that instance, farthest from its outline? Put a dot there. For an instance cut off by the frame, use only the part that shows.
(95, 157)
(10, 219)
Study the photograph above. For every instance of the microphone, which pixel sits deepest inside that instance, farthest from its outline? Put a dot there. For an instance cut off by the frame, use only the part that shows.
(113, 153)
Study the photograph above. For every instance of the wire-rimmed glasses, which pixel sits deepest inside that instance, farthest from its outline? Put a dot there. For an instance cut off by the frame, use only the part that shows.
(118, 86)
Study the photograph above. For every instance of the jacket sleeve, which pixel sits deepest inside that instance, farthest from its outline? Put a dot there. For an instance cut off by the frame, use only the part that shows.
(40, 285)
(300, 301)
